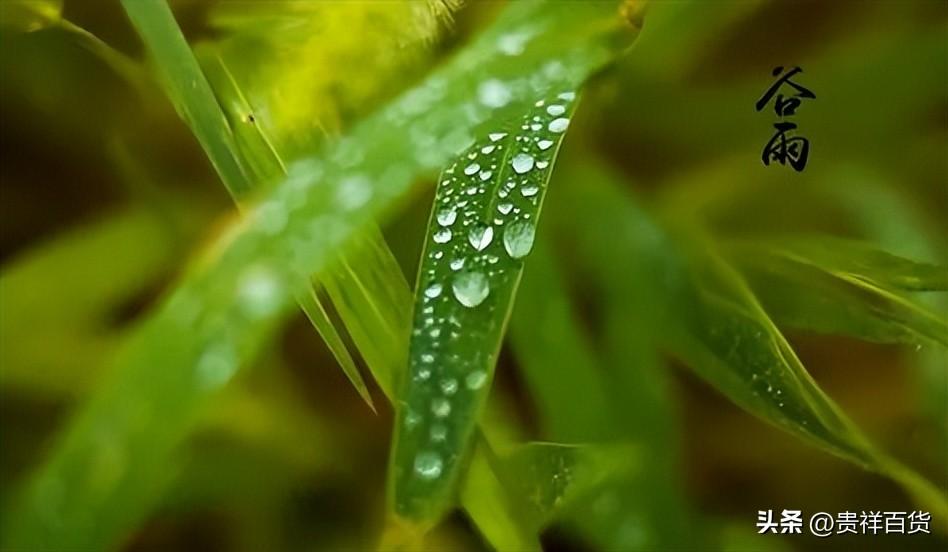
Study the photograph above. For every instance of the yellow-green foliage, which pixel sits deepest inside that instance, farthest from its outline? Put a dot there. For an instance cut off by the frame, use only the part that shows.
(323, 62)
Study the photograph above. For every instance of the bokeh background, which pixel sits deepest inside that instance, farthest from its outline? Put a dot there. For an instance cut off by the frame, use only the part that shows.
(106, 196)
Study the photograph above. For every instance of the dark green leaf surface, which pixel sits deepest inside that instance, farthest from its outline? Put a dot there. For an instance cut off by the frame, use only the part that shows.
(482, 227)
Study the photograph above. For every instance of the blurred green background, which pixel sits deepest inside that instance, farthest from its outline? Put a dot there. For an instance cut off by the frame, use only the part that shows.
(106, 198)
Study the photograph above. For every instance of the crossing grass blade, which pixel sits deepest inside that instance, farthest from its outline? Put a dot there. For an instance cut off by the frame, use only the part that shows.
(254, 148)
(229, 303)
(861, 292)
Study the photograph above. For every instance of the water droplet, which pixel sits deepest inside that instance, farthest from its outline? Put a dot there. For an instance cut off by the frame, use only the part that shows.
(427, 358)
(423, 374)
(512, 43)
(568, 96)
(544, 144)
(480, 236)
(494, 136)
(439, 433)
(484, 175)
(259, 292)
(446, 217)
(470, 288)
(505, 208)
(518, 239)
(558, 125)
(555, 110)
(428, 465)
(457, 264)
(353, 192)
(493, 93)
(542, 164)
(272, 218)
(522, 163)
(216, 366)
(475, 380)
(472, 168)
(433, 290)
(528, 191)
(442, 236)
(449, 386)
(441, 407)
(412, 419)
(488, 149)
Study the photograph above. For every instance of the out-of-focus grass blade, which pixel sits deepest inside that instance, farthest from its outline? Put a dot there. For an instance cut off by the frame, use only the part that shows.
(716, 325)
(254, 150)
(555, 358)
(482, 227)
(307, 67)
(76, 311)
(543, 480)
(804, 287)
(30, 15)
(619, 293)
(487, 501)
(862, 264)
(104, 473)
(371, 295)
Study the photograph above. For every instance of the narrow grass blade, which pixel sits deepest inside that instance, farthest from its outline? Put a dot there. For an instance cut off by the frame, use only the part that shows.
(805, 293)
(482, 227)
(188, 89)
(861, 264)
(78, 310)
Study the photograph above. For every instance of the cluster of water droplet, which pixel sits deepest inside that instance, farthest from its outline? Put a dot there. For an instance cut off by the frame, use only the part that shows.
(485, 210)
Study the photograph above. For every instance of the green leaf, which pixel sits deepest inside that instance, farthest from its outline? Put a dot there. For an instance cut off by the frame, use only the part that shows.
(77, 311)
(711, 319)
(482, 227)
(862, 264)
(229, 304)
(544, 480)
(857, 291)
(189, 90)
(487, 501)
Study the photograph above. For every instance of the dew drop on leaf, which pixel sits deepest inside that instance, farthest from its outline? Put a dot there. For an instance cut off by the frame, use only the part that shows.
(558, 125)
(433, 291)
(470, 288)
(473, 168)
(441, 407)
(518, 239)
(480, 236)
(442, 236)
(493, 93)
(475, 380)
(522, 163)
(446, 217)
(428, 465)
